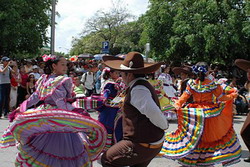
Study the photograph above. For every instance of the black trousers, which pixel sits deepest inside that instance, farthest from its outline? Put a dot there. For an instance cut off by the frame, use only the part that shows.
(21, 93)
(4, 99)
(89, 92)
(127, 153)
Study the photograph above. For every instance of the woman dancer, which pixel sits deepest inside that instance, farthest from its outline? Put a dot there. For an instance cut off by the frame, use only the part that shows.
(165, 102)
(167, 81)
(205, 134)
(54, 133)
(108, 111)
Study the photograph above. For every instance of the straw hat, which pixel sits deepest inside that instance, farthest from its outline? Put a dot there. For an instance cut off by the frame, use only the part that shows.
(133, 63)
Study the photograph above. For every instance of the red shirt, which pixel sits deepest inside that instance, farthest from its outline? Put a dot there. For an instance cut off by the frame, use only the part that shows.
(24, 79)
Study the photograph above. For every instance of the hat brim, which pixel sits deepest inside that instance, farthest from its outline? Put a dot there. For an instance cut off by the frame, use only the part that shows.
(242, 64)
(6, 59)
(106, 58)
(179, 70)
(115, 63)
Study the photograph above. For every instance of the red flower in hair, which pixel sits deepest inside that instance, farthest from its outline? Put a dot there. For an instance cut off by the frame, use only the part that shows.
(48, 57)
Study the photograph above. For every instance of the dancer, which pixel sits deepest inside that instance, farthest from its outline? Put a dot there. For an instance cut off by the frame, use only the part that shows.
(54, 133)
(109, 110)
(245, 131)
(108, 104)
(205, 134)
(167, 81)
(165, 102)
(143, 121)
(184, 73)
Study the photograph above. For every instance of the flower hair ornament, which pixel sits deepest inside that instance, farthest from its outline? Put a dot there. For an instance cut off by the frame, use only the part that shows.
(106, 69)
(48, 57)
(197, 69)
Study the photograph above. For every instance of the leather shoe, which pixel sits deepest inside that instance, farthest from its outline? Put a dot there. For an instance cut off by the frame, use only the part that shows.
(247, 159)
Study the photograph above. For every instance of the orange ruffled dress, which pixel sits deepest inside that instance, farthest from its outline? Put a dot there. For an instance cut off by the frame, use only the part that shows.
(205, 134)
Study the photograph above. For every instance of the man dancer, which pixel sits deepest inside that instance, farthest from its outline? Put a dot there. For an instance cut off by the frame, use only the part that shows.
(143, 121)
(245, 131)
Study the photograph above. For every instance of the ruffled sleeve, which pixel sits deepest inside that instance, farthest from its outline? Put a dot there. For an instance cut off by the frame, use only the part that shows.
(109, 90)
(32, 100)
(219, 93)
(61, 94)
(184, 97)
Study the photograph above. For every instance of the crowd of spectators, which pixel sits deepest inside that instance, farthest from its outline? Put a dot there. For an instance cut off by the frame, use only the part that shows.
(18, 77)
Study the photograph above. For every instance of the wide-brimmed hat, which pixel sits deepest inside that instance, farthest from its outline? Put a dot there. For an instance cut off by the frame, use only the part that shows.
(179, 70)
(242, 64)
(133, 63)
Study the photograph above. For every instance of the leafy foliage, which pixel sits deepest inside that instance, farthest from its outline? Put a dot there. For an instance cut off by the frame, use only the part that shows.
(23, 26)
(199, 30)
(116, 26)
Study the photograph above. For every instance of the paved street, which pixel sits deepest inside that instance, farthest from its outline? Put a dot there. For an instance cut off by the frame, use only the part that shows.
(7, 156)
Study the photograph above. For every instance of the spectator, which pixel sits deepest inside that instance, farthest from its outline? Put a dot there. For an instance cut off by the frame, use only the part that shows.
(15, 80)
(41, 67)
(98, 75)
(5, 75)
(88, 81)
(35, 72)
(78, 87)
(28, 66)
(30, 86)
(22, 92)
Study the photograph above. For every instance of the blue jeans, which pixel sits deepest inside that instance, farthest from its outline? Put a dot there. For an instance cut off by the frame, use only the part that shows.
(4, 98)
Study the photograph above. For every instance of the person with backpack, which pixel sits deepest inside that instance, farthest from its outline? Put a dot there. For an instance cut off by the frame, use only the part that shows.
(88, 81)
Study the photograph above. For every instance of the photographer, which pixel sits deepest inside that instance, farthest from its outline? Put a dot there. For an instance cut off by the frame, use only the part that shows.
(5, 75)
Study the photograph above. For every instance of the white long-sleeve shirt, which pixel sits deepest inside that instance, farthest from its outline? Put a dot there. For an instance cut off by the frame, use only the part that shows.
(142, 100)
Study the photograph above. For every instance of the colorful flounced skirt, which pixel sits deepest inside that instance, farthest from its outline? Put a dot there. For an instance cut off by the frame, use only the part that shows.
(110, 116)
(50, 137)
(205, 136)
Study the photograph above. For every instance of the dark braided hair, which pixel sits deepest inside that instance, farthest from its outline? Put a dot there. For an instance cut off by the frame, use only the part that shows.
(202, 73)
(48, 69)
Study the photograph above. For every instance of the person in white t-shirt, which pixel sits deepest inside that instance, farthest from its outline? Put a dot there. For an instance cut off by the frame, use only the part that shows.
(36, 72)
(88, 81)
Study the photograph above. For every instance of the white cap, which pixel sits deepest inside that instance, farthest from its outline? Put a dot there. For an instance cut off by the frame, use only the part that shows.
(35, 67)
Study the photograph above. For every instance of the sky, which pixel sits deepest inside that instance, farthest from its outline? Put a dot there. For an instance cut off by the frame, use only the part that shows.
(74, 14)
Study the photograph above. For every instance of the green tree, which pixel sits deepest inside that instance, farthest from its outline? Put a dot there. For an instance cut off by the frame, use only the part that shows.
(90, 43)
(195, 30)
(108, 25)
(23, 26)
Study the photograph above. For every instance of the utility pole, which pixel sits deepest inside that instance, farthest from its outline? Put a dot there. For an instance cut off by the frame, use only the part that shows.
(147, 49)
(53, 18)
